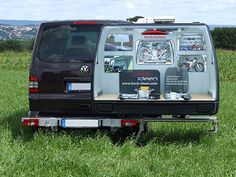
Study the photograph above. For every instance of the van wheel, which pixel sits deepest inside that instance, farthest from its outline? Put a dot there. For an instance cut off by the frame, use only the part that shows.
(146, 129)
(134, 130)
(123, 133)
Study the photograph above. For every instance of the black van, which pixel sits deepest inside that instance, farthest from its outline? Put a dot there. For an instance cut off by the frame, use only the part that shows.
(117, 74)
(63, 55)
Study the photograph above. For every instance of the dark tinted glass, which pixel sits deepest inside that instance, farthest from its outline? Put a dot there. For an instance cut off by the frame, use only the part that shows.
(69, 43)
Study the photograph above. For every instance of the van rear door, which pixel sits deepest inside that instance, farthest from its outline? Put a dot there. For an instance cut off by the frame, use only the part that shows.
(62, 61)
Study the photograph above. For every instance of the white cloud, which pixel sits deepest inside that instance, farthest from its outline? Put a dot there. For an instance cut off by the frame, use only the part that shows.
(129, 5)
(211, 12)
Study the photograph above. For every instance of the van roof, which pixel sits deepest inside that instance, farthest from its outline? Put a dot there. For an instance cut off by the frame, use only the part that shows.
(118, 22)
(166, 24)
(83, 21)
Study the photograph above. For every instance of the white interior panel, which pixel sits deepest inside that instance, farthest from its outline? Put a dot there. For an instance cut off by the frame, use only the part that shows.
(199, 82)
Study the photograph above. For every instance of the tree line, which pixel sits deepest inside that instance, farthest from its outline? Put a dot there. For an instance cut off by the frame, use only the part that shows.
(224, 38)
(16, 45)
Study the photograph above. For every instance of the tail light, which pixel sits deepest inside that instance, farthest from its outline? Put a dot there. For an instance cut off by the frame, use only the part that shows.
(31, 122)
(85, 23)
(129, 123)
(154, 32)
(33, 84)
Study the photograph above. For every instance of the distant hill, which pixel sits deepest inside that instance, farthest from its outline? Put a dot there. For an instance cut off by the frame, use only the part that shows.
(18, 32)
(20, 22)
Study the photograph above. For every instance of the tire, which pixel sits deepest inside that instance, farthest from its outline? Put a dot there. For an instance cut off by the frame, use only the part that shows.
(184, 66)
(123, 133)
(145, 54)
(199, 67)
(133, 130)
(136, 128)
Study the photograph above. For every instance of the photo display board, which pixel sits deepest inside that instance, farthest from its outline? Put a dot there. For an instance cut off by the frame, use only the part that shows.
(132, 80)
(191, 42)
(192, 63)
(158, 52)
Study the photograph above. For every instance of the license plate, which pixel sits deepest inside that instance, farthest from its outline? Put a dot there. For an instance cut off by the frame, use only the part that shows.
(78, 123)
(78, 86)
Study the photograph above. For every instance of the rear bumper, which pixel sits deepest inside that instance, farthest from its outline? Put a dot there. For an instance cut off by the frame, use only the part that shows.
(157, 108)
(76, 106)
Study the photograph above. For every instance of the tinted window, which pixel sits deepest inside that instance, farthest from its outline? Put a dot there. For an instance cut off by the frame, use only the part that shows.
(69, 43)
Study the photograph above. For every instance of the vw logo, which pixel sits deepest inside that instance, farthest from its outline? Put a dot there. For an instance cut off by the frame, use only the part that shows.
(84, 69)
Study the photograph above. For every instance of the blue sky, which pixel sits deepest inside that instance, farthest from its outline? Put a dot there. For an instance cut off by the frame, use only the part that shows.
(207, 11)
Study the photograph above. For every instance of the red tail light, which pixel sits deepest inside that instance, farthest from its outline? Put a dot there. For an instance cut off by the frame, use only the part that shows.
(129, 123)
(85, 23)
(31, 122)
(33, 84)
(154, 32)
(33, 78)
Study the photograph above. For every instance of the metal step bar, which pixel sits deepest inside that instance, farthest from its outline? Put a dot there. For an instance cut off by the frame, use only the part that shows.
(95, 122)
(188, 118)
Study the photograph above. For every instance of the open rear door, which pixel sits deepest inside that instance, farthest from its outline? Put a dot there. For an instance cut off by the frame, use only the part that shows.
(156, 69)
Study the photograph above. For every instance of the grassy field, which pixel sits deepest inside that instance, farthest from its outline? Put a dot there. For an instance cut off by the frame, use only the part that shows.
(170, 149)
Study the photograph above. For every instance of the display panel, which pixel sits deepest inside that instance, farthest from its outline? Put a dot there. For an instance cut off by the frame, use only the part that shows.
(176, 84)
(159, 52)
(191, 42)
(139, 84)
(192, 63)
(114, 64)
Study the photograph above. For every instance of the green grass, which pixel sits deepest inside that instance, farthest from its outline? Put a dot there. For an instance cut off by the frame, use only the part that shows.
(15, 60)
(170, 149)
(227, 65)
